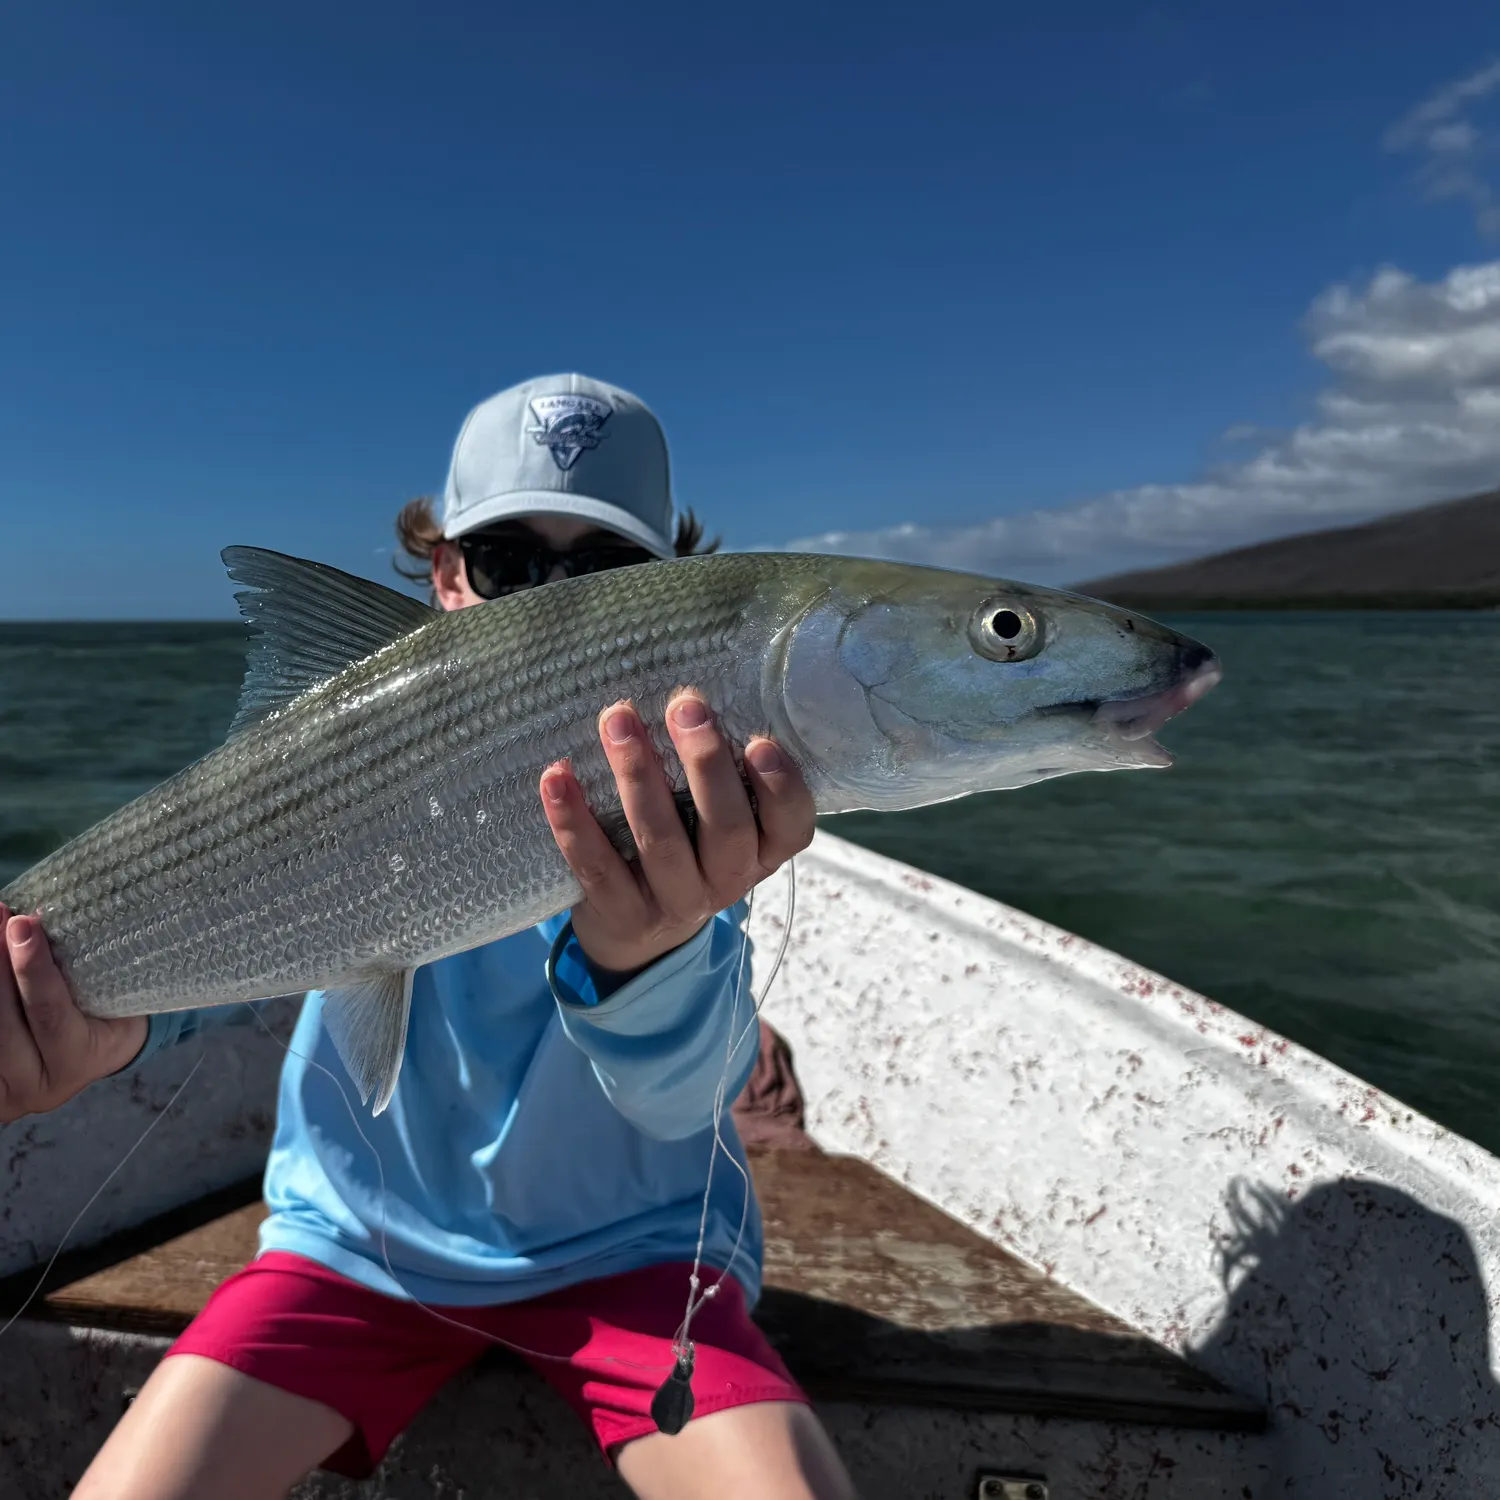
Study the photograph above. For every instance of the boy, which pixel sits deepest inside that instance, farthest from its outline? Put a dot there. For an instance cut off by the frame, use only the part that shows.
(541, 1164)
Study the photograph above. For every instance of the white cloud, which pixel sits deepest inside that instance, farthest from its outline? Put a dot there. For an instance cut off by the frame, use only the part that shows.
(1445, 103)
(1412, 415)
(1459, 137)
(1453, 149)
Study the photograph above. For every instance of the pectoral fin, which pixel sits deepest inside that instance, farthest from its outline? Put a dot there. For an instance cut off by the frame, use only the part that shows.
(366, 1020)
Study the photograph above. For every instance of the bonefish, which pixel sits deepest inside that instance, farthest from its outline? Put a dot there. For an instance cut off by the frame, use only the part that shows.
(375, 805)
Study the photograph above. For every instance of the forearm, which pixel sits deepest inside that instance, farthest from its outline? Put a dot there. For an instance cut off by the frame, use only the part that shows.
(658, 1043)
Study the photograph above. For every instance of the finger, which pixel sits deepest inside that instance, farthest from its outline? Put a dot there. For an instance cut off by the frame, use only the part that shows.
(57, 1025)
(608, 882)
(19, 1059)
(669, 865)
(728, 840)
(784, 805)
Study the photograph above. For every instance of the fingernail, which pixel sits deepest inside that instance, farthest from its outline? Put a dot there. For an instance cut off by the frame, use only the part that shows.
(619, 725)
(765, 757)
(555, 786)
(20, 931)
(690, 713)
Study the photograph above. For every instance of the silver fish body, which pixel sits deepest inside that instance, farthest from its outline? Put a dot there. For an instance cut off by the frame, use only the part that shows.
(369, 817)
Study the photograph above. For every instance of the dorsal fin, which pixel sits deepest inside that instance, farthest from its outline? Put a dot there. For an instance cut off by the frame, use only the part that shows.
(310, 622)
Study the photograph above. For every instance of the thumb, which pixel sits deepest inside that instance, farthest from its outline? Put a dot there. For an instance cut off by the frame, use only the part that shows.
(75, 1049)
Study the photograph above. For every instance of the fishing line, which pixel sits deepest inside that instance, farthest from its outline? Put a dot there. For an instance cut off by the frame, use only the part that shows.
(41, 1280)
(719, 1094)
(672, 1406)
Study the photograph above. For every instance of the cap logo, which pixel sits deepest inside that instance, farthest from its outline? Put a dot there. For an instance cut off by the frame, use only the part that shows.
(568, 425)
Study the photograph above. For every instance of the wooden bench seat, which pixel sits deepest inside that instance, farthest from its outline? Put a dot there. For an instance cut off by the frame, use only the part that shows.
(871, 1294)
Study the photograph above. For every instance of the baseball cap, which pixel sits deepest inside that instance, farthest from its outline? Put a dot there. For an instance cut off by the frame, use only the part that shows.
(563, 445)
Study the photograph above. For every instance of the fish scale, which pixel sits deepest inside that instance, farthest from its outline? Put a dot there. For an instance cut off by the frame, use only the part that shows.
(376, 805)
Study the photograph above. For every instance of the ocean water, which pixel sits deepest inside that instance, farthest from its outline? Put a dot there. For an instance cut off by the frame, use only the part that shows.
(1324, 857)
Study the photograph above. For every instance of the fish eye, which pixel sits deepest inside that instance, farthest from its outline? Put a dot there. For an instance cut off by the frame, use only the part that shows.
(1005, 630)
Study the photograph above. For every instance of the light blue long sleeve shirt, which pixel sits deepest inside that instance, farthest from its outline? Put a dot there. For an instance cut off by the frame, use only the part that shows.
(538, 1136)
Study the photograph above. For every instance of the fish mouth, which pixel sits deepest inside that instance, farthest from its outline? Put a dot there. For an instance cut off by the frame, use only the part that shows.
(1138, 718)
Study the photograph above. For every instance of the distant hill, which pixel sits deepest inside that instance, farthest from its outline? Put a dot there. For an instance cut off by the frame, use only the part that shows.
(1439, 557)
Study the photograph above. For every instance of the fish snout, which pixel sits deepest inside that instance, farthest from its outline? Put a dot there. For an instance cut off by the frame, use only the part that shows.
(1200, 671)
(1135, 718)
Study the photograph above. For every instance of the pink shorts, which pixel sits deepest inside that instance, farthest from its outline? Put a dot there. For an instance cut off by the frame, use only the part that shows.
(376, 1360)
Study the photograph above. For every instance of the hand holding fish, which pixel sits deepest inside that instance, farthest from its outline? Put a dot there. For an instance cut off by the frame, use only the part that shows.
(633, 913)
(50, 1050)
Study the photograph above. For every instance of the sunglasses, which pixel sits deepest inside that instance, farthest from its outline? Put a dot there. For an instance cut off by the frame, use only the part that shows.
(501, 562)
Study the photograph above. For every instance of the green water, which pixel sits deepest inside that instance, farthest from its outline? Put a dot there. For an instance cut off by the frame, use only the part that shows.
(1324, 857)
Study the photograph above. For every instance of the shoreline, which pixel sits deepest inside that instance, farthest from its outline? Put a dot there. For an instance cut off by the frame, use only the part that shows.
(1486, 603)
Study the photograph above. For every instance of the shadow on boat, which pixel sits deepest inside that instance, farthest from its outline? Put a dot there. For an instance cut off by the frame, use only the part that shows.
(1361, 1318)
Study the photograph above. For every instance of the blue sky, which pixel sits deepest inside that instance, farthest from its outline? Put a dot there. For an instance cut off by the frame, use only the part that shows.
(1053, 287)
